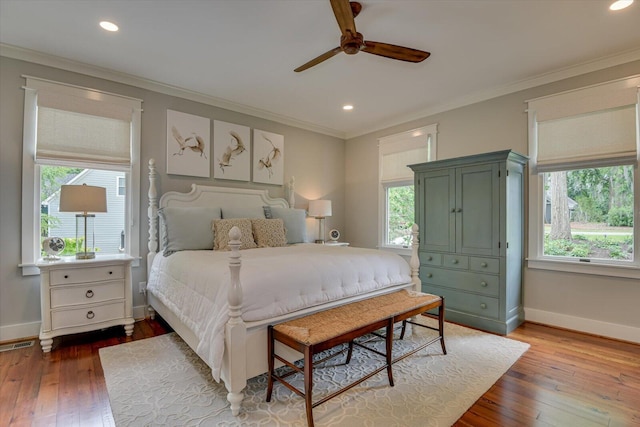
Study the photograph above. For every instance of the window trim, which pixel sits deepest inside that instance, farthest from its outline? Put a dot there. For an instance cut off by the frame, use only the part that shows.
(31, 174)
(118, 178)
(536, 258)
(430, 133)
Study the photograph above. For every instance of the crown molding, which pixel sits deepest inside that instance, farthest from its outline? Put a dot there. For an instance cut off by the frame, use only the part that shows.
(486, 94)
(28, 55)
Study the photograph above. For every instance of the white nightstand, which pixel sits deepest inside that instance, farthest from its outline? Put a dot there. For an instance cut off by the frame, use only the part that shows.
(84, 295)
(332, 243)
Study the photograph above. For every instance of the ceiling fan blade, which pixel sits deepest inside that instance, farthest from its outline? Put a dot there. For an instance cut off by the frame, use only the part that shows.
(319, 59)
(395, 52)
(344, 16)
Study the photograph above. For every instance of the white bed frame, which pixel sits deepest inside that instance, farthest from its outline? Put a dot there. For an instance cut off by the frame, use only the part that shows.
(245, 354)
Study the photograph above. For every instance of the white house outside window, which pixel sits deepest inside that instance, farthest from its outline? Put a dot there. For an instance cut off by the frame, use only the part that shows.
(76, 135)
(396, 200)
(584, 200)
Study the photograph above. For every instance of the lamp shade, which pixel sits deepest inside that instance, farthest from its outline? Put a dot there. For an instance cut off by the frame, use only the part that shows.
(320, 208)
(83, 198)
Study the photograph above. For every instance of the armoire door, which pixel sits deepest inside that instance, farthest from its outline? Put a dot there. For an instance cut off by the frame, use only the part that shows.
(437, 232)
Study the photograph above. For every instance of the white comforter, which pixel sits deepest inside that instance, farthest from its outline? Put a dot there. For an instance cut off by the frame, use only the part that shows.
(275, 281)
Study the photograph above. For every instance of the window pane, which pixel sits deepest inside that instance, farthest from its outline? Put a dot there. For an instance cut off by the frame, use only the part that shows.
(108, 227)
(588, 213)
(400, 212)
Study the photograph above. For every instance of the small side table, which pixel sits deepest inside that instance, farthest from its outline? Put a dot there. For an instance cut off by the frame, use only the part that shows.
(84, 295)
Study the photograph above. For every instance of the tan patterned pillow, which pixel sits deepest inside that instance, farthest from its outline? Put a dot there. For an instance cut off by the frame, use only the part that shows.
(221, 228)
(269, 232)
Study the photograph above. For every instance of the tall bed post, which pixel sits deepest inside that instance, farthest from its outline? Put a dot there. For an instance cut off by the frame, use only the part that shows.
(414, 263)
(152, 214)
(236, 331)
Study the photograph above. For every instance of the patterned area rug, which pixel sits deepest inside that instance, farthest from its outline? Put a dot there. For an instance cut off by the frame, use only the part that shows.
(160, 382)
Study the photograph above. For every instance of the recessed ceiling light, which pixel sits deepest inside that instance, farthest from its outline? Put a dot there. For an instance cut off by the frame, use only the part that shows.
(347, 107)
(620, 4)
(109, 26)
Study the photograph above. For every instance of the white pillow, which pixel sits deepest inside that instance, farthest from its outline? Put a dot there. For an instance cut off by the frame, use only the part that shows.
(187, 228)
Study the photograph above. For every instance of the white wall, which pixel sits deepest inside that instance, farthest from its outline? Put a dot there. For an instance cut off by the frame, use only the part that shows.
(596, 304)
(314, 159)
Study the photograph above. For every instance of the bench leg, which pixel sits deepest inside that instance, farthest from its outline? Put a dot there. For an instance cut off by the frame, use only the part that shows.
(271, 355)
(389, 342)
(349, 353)
(404, 328)
(441, 326)
(308, 383)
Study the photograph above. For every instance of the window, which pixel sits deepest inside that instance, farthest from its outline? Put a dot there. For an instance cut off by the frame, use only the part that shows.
(584, 179)
(75, 135)
(396, 211)
(121, 190)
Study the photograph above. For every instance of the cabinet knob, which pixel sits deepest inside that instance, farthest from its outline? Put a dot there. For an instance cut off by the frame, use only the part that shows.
(429, 258)
(429, 275)
(90, 315)
(483, 264)
(483, 306)
(454, 261)
(66, 276)
(453, 210)
(483, 284)
(459, 210)
(89, 294)
(111, 272)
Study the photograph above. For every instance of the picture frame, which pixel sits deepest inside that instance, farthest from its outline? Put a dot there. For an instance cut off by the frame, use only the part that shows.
(268, 157)
(231, 151)
(188, 144)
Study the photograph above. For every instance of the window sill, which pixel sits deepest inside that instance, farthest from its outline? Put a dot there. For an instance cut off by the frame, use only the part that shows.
(400, 250)
(597, 269)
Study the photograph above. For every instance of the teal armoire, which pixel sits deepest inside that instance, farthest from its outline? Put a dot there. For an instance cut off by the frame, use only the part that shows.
(470, 211)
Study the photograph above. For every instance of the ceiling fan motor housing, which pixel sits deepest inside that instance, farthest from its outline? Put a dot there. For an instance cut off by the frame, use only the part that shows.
(350, 43)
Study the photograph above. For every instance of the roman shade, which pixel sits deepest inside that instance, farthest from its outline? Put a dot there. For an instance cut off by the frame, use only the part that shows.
(75, 124)
(398, 151)
(583, 127)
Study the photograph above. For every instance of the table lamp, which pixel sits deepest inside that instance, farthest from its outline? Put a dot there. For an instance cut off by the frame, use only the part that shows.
(320, 209)
(84, 198)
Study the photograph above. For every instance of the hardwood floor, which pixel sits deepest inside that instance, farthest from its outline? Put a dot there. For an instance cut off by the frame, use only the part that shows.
(564, 379)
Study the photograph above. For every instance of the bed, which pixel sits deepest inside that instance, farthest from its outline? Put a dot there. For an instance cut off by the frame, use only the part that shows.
(221, 301)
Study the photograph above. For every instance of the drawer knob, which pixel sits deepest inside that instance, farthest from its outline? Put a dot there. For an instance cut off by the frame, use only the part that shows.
(483, 264)
(454, 261)
(89, 294)
(483, 284)
(90, 315)
(66, 276)
(483, 306)
(111, 272)
(429, 275)
(429, 258)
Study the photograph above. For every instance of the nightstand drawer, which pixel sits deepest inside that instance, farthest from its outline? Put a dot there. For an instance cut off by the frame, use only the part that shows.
(489, 265)
(84, 275)
(63, 296)
(473, 282)
(455, 261)
(87, 315)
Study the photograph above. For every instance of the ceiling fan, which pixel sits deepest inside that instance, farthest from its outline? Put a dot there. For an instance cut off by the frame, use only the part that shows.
(352, 42)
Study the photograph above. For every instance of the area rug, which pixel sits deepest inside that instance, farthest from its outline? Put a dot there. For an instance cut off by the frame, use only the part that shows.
(161, 382)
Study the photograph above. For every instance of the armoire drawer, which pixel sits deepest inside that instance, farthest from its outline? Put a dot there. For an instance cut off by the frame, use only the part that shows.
(68, 276)
(488, 265)
(430, 258)
(62, 296)
(460, 262)
(480, 305)
(87, 315)
(485, 284)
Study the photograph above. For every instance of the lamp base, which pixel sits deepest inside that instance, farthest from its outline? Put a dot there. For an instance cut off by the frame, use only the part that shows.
(85, 255)
(320, 241)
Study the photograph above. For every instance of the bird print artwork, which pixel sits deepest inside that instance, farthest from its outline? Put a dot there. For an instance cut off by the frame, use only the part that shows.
(271, 157)
(268, 157)
(232, 151)
(195, 143)
(188, 144)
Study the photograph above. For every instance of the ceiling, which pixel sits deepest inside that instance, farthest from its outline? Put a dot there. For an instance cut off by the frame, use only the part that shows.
(240, 54)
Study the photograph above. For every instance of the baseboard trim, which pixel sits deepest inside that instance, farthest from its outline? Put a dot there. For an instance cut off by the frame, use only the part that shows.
(581, 324)
(32, 329)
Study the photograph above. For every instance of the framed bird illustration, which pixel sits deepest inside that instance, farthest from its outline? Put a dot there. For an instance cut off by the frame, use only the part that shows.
(231, 151)
(188, 144)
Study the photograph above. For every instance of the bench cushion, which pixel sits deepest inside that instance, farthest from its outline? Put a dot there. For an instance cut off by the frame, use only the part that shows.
(322, 326)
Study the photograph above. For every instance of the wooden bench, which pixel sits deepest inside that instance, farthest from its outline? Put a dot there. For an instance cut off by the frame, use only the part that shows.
(320, 331)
